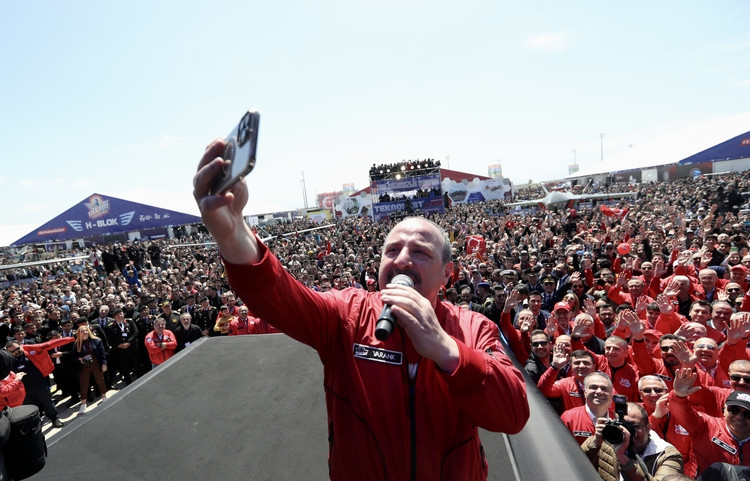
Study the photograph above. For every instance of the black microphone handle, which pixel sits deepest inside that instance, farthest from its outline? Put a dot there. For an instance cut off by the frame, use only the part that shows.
(384, 327)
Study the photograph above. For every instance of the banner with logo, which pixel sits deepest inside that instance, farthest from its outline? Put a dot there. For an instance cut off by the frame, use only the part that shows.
(101, 215)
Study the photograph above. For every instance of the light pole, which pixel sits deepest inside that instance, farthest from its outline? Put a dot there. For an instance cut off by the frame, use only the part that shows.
(601, 142)
(304, 190)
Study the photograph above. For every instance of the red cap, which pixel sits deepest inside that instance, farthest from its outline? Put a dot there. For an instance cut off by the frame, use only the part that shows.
(652, 333)
(562, 305)
(739, 267)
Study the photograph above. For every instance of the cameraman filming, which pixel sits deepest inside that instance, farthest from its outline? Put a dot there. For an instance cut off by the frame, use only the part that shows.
(642, 454)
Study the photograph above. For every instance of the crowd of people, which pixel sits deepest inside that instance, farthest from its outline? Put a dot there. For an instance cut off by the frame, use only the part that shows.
(643, 317)
(405, 168)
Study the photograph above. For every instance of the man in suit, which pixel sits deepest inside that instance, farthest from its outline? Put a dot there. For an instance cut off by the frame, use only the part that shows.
(122, 334)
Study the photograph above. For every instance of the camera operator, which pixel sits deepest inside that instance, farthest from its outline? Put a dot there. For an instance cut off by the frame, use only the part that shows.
(621, 447)
(657, 456)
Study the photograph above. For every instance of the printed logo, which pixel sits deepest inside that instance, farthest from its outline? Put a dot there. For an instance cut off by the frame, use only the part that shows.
(582, 434)
(97, 206)
(77, 225)
(680, 430)
(370, 353)
(126, 218)
(624, 382)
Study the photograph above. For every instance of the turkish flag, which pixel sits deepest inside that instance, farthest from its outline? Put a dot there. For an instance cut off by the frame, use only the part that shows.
(614, 212)
(476, 246)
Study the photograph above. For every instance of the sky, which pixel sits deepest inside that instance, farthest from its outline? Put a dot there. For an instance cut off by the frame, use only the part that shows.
(121, 98)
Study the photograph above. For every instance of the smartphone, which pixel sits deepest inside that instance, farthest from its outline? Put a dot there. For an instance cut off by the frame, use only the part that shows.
(240, 152)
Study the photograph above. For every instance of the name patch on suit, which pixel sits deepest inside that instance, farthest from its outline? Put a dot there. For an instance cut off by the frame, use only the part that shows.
(379, 355)
(582, 434)
(723, 445)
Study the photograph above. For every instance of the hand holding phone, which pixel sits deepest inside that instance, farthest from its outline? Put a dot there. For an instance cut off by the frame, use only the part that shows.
(239, 154)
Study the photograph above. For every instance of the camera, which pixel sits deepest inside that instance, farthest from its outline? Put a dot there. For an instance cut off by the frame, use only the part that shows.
(88, 360)
(240, 152)
(611, 432)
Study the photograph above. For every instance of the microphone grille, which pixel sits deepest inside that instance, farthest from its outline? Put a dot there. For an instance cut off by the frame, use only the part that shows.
(403, 280)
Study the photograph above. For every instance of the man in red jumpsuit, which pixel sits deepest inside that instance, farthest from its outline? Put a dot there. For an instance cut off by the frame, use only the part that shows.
(715, 439)
(406, 407)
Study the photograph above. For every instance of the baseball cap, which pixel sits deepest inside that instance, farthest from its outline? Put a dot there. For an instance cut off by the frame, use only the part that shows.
(739, 267)
(562, 305)
(741, 399)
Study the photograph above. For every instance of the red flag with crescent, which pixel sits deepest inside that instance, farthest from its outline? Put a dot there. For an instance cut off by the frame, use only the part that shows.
(614, 212)
(326, 251)
(476, 246)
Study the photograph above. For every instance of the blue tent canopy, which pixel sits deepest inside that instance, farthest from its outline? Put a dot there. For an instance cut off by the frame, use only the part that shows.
(100, 215)
(735, 148)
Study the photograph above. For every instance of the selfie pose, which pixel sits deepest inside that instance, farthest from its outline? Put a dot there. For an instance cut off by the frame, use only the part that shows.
(407, 406)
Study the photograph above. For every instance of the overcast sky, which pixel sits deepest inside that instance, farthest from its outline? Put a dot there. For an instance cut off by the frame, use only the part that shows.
(121, 98)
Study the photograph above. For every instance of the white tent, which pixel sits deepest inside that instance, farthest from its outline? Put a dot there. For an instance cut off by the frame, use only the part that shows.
(673, 147)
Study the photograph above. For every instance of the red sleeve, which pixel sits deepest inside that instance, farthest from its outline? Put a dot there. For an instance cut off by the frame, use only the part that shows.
(745, 307)
(616, 295)
(170, 339)
(729, 354)
(485, 382)
(548, 383)
(49, 345)
(654, 287)
(668, 323)
(643, 360)
(599, 330)
(150, 346)
(589, 276)
(12, 392)
(514, 338)
(681, 271)
(685, 415)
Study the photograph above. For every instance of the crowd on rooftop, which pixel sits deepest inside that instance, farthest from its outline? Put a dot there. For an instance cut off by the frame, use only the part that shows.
(638, 297)
(405, 168)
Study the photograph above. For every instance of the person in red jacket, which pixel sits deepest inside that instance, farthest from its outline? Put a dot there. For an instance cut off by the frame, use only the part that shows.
(12, 391)
(400, 406)
(34, 360)
(655, 397)
(569, 389)
(581, 421)
(160, 343)
(715, 439)
(247, 324)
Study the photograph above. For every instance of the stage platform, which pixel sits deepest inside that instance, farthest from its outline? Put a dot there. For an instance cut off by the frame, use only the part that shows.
(253, 408)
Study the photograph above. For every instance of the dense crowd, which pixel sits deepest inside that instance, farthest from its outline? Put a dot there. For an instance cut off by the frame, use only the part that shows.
(649, 304)
(405, 168)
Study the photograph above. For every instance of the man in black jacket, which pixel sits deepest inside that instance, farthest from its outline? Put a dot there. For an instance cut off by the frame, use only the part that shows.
(187, 332)
(122, 334)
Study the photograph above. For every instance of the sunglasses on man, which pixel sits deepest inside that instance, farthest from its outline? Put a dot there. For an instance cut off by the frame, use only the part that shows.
(655, 390)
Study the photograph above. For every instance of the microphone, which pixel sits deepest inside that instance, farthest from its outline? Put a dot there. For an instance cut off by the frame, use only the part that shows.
(386, 321)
